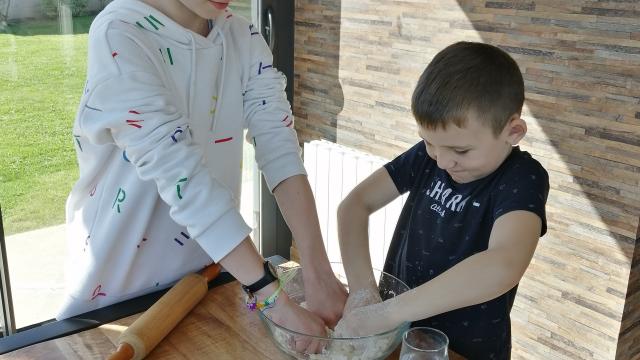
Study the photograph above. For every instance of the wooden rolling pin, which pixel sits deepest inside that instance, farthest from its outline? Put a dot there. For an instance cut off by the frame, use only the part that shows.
(151, 327)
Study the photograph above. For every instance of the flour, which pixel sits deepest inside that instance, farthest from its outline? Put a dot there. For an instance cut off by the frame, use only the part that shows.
(339, 346)
(368, 348)
(362, 297)
(357, 349)
(370, 311)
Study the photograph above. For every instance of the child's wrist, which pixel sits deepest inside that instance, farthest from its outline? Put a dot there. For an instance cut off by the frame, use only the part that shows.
(267, 291)
(394, 312)
(264, 298)
(271, 295)
(280, 300)
(316, 267)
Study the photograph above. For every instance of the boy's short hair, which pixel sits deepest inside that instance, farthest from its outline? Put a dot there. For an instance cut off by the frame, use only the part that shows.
(468, 78)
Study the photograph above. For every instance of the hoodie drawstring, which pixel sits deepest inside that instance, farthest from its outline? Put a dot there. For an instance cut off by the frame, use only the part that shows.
(192, 80)
(192, 76)
(222, 76)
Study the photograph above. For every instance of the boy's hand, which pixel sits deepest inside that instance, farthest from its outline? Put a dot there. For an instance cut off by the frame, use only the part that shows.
(362, 297)
(366, 320)
(292, 316)
(326, 297)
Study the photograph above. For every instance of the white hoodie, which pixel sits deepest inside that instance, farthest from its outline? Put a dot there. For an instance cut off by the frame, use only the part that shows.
(158, 136)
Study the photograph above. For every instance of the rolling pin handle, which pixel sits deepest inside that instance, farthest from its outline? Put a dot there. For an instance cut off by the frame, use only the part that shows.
(124, 352)
(210, 272)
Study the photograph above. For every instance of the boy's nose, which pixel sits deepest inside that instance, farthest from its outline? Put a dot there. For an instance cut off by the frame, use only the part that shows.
(445, 162)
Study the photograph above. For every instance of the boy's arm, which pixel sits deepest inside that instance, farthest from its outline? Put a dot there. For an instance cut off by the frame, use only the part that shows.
(366, 198)
(477, 279)
(480, 277)
(325, 295)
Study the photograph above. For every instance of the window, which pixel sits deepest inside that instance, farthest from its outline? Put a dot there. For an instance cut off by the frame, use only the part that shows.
(43, 47)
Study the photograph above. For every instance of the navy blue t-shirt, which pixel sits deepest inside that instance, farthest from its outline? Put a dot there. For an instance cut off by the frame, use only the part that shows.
(444, 222)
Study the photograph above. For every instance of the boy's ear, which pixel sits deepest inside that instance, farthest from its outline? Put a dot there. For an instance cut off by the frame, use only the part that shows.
(516, 129)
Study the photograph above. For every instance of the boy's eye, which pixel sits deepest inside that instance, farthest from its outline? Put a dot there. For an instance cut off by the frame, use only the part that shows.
(461, 152)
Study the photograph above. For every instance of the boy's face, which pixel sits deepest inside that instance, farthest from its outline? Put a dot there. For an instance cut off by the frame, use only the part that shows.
(472, 152)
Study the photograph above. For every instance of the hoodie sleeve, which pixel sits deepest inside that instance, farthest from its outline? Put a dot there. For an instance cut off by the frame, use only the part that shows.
(269, 118)
(133, 107)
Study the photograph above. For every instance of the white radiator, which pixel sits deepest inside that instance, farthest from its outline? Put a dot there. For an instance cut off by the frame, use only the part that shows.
(333, 171)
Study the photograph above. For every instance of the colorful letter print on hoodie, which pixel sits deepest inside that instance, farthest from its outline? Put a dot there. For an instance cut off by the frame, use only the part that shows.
(158, 136)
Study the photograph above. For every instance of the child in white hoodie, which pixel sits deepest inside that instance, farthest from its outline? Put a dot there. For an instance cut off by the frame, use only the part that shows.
(171, 86)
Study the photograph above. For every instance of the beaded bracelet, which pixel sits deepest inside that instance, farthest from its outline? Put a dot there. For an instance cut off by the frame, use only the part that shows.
(253, 303)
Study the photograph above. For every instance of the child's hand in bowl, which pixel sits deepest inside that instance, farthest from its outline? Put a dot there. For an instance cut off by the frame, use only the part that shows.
(362, 297)
(290, 315)
(325, 296)
(366, 320)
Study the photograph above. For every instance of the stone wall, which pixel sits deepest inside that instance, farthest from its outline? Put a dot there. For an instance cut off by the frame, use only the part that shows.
(357, 61)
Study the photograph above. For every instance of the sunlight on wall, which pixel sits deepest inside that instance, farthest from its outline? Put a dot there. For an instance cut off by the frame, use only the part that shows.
(357, 63)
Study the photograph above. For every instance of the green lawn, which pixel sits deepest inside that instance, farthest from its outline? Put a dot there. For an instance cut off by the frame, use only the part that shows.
(42, 75)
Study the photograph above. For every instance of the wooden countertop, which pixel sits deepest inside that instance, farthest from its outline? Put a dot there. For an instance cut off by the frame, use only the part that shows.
(219, 327)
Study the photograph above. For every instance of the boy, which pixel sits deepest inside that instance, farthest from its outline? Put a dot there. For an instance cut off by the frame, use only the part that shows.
(475, 211)
(171, 85)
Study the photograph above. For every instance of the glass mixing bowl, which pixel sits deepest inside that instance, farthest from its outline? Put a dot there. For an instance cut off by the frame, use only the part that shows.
(372, 347)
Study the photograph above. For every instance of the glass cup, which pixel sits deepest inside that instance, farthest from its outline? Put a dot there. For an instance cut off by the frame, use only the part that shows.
(424, 343)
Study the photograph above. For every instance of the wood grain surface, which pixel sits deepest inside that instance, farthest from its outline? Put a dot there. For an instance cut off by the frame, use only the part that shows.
(219, 327)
